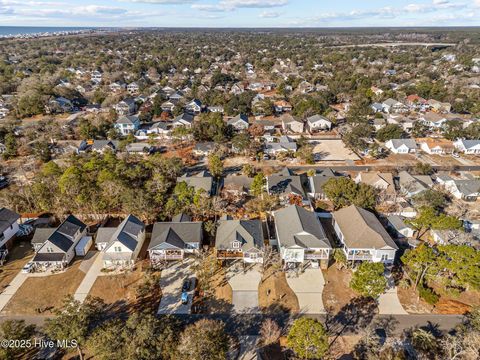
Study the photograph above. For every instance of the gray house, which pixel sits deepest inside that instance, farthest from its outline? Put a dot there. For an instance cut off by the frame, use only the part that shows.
(285, 184)
(301, 237)
(240, 239)
(172, 240)
(120, 245)
(56, 247)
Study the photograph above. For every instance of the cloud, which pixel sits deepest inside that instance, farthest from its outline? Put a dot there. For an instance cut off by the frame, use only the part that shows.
(161, 2)
(231, 5)
(269, 14)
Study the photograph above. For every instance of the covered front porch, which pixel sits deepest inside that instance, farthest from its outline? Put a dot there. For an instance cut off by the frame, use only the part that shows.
(163, 255)
(358, 254)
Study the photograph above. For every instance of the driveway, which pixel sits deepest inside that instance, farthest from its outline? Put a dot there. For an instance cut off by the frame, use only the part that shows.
(92, 265)
(388, 303)
(171, 281)
(12, 288)
(244, 288)
(308, 287)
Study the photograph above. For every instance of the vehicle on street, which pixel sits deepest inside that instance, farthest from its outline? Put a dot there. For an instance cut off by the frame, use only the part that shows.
(184, 298)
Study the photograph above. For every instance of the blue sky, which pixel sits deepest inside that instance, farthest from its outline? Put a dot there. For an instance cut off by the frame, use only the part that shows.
(240, 13)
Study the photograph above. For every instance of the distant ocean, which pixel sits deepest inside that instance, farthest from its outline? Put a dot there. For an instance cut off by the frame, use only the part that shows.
(25, 30)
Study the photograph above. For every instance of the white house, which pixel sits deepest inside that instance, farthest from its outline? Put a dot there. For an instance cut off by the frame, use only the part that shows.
(194, 106)
(127, 124)
(401, 146)
(467, 146)
(318, 122)
(301, 237)
(239, 239)
(363, 236)
(120, 245)
(436, 146)
(8, 226)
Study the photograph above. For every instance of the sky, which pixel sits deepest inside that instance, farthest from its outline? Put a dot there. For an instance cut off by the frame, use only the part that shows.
(239, 13)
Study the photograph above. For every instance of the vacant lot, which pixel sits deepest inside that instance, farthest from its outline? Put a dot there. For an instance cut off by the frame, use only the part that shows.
(41, 294)
(337, 292)
(333, 150)
(275, 294)
(18, 256)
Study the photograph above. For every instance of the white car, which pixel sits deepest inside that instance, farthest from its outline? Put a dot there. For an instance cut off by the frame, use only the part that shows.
(28, 268)
(455, 155)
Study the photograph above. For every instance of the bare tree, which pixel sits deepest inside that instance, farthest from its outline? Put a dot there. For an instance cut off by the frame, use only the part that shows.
(270, 332)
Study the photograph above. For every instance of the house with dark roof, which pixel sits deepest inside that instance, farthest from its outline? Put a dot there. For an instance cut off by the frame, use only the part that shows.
(121, 245)
(301, 237)
(8, 226)
(55, 248)
(173, 240)
(194, 106)
(412, 185)
(127, 124)
(285, 184)
(318, 122)
(202, 181)
(239, 122)
(317, 181)
(98, 146)
(363, 236)
(184, 119)
(240, 239)
(237, 185)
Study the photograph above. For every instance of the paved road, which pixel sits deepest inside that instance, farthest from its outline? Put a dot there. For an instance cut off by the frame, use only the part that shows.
(171, 282)
(244, 289)
(95, 267)
(12, 288)
(308, 287)
(392, 166)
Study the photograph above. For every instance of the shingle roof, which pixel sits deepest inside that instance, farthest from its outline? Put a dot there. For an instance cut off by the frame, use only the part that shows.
(7, 218)
(127, 233)
(281, 184)
(299, 227)
(248, 232)
(176, 234)
(362, 230)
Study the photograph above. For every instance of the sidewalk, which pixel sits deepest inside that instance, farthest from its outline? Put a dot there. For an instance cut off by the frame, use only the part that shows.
(12, 288)
(90, 277)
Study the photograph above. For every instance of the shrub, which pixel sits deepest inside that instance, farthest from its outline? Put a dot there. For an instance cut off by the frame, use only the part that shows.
(428, 295)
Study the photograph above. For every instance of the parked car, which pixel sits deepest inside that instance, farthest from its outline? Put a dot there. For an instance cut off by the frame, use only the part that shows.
(28, 268)
(3, 182)
(455, 155)
(184, 298)
(186, 285)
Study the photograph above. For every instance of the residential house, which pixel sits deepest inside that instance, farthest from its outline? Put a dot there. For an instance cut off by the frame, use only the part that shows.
(133, 88)
(377, 107)
(59, 105)
(204, 148)
(393, 106)
(318, 122)
(362, 235)
(237, 89)
(8, 227)
(167, 106)
(285, 144)
(239, 122)
(465, 189)
(57, 249)
(185, 119)
(125, 107)
(202, 181)
(291, 124)
(117, 87)
(215, 109)
(121, 245)
(438, 106)
(467, 146)
(432, 120)
(127, 124)
(382, 181)
(416, 102)
(96, 76)
(317, 181)
(140, 148)
(397, 224)
(99, 146)
(239, 240)
(159, 128)
(405, 122)
(194, 107)
(412, 185)
(436, 146)
(401, 146)
(301, 237)
(282, 106)
(176, 97)
(237, 185)
(173, 240)
(287, 185)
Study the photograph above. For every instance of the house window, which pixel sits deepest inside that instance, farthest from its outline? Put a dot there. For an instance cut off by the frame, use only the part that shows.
(236, 244)
(118, 248)
(384, 257)
(253, 255)
(49, 250)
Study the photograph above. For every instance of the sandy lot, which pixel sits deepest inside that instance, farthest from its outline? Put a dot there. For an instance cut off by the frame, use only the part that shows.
(333, 150)
(18, 256)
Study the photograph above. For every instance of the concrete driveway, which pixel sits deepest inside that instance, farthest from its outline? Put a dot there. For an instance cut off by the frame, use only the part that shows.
(171, 281)
(308, 287)
(388, 303)
(12, 288)
(244, 288)
(92, 265)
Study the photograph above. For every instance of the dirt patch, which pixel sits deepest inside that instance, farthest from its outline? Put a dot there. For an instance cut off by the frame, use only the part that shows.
(221, 301)
(337, 292)
(411, 302)
(274, 293)
(40, 295)
(447, 306)
(113, 288)
(18, 256)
